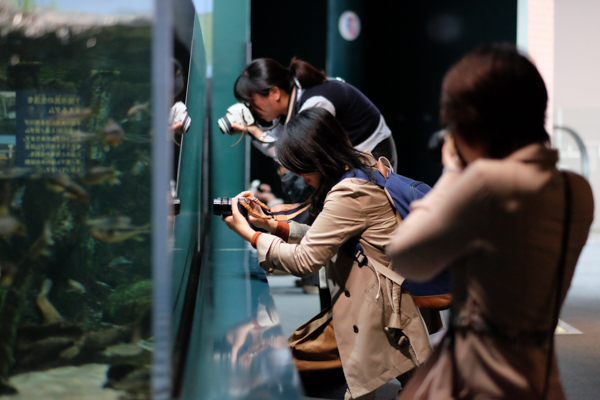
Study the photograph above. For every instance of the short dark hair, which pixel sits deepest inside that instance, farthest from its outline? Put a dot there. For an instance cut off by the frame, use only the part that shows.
(495, 97)
(314, 141)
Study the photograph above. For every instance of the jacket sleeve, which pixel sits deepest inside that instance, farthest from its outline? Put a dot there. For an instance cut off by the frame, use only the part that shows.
(443, 226)
(342, 218)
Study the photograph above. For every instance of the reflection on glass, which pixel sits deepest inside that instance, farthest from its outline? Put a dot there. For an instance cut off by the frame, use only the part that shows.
(75, 268)
(257, 356)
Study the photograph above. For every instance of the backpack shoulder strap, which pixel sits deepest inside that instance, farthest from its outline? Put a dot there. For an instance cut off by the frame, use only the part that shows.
(360, 174)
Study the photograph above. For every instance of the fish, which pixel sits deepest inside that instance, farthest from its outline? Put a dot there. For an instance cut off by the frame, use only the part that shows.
(62, 183)
(99, 174)
(41, 245)
(17, 200)
(80, 136)
(123, 350)
(142, 162)
(137, 110)
(115, 262)
(75, 116)
(7, 272)
(112, 133)
(76, 286)
(10, 225)
(116, 229)
(146, 345)
(16, 172)
(133, 138)
(49, 313)
(104, 285)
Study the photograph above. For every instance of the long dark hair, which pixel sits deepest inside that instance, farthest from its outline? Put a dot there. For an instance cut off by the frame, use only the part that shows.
(495, 97)
(263, 74)
(315, 141)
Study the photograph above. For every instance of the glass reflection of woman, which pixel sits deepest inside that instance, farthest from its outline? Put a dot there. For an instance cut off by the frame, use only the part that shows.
(314, 146)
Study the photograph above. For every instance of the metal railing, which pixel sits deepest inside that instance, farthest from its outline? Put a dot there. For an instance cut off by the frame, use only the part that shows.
(585, 161)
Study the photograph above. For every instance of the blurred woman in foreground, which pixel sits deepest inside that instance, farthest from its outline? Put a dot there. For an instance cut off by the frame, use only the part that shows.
(500, 215)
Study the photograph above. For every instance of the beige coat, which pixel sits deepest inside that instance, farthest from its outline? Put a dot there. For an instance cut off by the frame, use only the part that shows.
(353, 208)
(499, 224)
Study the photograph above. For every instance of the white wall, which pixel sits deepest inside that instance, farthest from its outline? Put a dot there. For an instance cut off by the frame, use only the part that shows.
(577, 83)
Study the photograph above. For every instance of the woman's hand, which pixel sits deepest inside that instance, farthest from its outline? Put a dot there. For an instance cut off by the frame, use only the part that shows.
(237, 223)
(268, 225)
(252, 129)
(450, 159)
(177, 127)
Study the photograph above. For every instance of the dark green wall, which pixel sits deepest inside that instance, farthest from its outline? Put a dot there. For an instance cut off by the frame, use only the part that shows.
(403, 52)
(407, 55)
(281, 30)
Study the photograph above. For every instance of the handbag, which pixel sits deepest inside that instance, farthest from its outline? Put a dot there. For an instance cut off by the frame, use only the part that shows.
(313, 345)
(555, 312)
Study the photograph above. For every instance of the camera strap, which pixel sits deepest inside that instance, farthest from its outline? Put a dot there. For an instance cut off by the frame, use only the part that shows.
(280, 212)
(291, 104)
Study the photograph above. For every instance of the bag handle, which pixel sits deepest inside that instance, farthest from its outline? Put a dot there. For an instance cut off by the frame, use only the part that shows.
(560, 279)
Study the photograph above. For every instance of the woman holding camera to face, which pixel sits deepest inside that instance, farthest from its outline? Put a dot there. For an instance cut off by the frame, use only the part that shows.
(314, 145)
(510, 225)
(277, 94)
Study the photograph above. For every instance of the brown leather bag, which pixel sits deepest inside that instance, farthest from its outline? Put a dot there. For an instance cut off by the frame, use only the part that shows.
(313, 344)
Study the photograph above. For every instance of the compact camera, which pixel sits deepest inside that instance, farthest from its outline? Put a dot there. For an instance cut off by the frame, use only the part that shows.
(236, 114)
(179, 114)
(222, 206)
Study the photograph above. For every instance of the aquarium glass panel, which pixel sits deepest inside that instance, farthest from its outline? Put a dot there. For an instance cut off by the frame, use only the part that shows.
(75, 199)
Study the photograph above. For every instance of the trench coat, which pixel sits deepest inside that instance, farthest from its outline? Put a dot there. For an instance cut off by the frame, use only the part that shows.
(499, 224)
(353, 208)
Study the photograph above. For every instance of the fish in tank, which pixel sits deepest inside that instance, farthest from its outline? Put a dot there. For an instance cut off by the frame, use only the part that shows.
(75, 266)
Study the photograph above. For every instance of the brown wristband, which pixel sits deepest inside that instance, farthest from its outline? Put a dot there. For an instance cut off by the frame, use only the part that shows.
(255, 239)
(282, 231)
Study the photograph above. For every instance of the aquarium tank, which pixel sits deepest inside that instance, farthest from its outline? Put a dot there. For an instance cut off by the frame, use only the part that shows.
(75, 201)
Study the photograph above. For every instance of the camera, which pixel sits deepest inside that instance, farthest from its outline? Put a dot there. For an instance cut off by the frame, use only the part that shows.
(179, 114)
(236, 114)
(435, 144)
(222, 206)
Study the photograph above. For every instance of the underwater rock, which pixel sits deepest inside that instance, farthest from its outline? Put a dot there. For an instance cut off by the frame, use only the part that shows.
(136, 382)
(128, 303)
(60, 344)
(29, 332)
(65, 383)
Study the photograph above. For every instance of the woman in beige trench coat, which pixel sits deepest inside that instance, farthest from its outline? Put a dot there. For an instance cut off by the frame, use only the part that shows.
(497, 216)
(316, 147)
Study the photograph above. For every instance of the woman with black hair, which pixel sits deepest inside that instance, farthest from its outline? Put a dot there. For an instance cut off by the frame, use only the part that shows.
(314, 145)
(277, 94)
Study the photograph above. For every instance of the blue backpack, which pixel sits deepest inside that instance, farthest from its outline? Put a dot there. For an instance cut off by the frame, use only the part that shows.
(435, 293)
